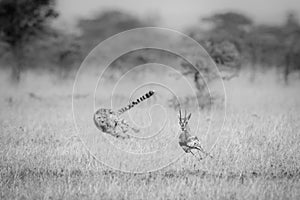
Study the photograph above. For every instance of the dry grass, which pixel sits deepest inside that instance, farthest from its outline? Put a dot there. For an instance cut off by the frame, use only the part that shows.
(257, 156)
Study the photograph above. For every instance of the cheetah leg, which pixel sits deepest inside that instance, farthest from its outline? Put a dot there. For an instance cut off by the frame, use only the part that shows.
(125, 127)
(121, 134)
(136, 130)
(121, 130)
(117, 134)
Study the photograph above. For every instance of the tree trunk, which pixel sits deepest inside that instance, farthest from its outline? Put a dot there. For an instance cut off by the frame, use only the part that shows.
(200, 85)
(18, 64)
(286, 71)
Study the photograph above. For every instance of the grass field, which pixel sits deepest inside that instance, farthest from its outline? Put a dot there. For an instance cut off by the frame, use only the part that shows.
(256, 156)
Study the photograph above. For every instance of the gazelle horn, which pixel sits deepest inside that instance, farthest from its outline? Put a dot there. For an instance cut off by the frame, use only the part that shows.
(180, 114)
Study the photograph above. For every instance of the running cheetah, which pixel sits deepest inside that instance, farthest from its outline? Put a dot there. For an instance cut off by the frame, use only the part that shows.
(109, 121)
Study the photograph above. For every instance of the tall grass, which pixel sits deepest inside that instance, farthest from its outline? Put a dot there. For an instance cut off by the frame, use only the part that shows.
(256, 155)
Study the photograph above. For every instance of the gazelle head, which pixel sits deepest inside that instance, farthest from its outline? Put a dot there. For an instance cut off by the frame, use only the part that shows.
(183, 121)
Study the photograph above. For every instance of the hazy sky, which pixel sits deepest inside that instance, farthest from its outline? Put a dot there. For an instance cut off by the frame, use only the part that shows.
(178, 14)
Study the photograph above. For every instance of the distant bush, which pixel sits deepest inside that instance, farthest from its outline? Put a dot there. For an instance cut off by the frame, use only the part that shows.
(106, 24)
(258, 45)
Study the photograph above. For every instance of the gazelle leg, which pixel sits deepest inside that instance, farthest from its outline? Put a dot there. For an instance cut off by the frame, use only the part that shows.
(196, 156)
(199, 155)
(210, 155)
(207, 154)
(203, 151)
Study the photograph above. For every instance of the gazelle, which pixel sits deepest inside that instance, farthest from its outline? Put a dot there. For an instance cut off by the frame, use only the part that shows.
(187, 141)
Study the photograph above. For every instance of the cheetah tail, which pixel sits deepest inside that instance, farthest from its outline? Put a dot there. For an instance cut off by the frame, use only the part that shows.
(137, 101)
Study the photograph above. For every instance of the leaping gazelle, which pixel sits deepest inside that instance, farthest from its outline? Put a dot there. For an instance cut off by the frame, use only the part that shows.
(187, 141)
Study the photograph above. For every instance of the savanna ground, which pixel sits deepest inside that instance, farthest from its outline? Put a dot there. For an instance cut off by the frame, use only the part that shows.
(257, 156)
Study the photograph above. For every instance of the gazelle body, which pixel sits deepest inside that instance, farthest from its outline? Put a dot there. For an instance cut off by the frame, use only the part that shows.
(187, 141)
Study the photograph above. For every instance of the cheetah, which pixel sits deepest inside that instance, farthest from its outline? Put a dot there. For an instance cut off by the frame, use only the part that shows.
(110, 122)
(186, 141)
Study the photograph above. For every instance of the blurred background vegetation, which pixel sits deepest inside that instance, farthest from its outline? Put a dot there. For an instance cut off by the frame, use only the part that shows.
(29, 40)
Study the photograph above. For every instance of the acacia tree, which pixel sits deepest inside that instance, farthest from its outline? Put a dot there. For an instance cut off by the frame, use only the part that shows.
(292, 45)
(22, 21)
(224, 43)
